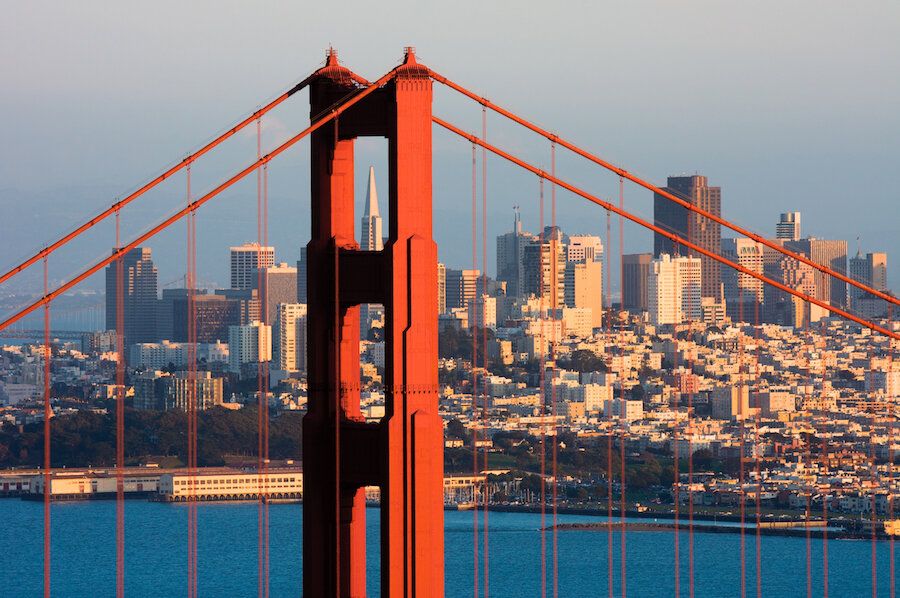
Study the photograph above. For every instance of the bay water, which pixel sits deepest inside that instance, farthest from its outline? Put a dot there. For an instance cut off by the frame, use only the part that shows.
(83, 555)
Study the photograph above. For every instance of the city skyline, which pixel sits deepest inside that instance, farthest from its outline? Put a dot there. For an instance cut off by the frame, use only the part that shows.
(397, 408)
(733, 126)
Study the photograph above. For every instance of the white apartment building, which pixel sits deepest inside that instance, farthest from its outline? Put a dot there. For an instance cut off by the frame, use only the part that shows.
(483, 312)
(157, 356)
(578, 321)
(673, 290)
(626, 410)
(291, 337)
(249, 344)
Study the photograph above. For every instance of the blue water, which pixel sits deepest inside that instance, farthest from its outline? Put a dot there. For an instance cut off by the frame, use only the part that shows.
(83, 555)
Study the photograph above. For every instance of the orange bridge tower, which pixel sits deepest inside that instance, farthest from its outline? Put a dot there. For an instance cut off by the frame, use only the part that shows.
(403, 453)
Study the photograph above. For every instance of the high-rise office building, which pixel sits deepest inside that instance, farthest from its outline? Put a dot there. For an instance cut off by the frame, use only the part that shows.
(442, 288)
(246, 260)
(833, 254)
(279, 286)
(371, 238)
(248, 303)
(461, 287)
(584, 248)
(584, 288)
(165, 311)
(788, 227)
(635, 268)
(870, 270)
(780, 307)
(742, 291)
(212, 317)
(138, 298)
(510, 253)
(690, 226)
(544, 267)
(673, 290)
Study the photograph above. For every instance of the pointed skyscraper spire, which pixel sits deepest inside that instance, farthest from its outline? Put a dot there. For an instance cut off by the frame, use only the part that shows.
(371, 195)
(370, 237)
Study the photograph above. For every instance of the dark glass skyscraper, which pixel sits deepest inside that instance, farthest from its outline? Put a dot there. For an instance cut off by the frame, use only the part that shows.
(138, 297)
(697, 229)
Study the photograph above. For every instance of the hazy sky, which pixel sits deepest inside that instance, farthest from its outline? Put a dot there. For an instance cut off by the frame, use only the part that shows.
(787, 105)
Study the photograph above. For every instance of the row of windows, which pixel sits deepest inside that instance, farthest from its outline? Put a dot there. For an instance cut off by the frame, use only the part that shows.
(233, 481)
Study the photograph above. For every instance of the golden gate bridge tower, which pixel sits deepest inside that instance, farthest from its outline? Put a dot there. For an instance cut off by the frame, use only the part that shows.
(403, 453)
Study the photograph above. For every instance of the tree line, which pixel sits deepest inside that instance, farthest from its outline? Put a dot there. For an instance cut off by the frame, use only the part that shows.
(88, 438)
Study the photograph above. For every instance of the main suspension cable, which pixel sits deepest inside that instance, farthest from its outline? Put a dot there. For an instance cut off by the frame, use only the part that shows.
(669, 235)
(663, 192)
(118, 205)
(197, 203)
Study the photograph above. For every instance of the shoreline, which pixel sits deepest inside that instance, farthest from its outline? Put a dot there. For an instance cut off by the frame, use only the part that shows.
(798, 531)
(769, 524)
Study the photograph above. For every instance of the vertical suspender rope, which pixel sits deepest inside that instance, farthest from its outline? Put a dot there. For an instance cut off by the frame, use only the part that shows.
(555, 246)
(609, 432)
(188, 283)
(741, 416)
(192, 222)
(191, 403)
(873, 407)
(623, 405)
(543, 394)
(120, 435)
(757, 292)
(475, 423)
(265, 392)
(689, 432)
(261, 408)
(893, 394)
(675, 441)
(824, 461)
(48, 413)
(193, 386)
(807, 400)
(260, 415)
(484, 333)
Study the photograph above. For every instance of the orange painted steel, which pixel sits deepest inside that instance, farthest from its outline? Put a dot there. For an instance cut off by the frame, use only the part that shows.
(120, 421)
(48, 413)
(154, 182)
(611, 207)
(403, 453)
(328, 117)
(634, 179)
(474, 396)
